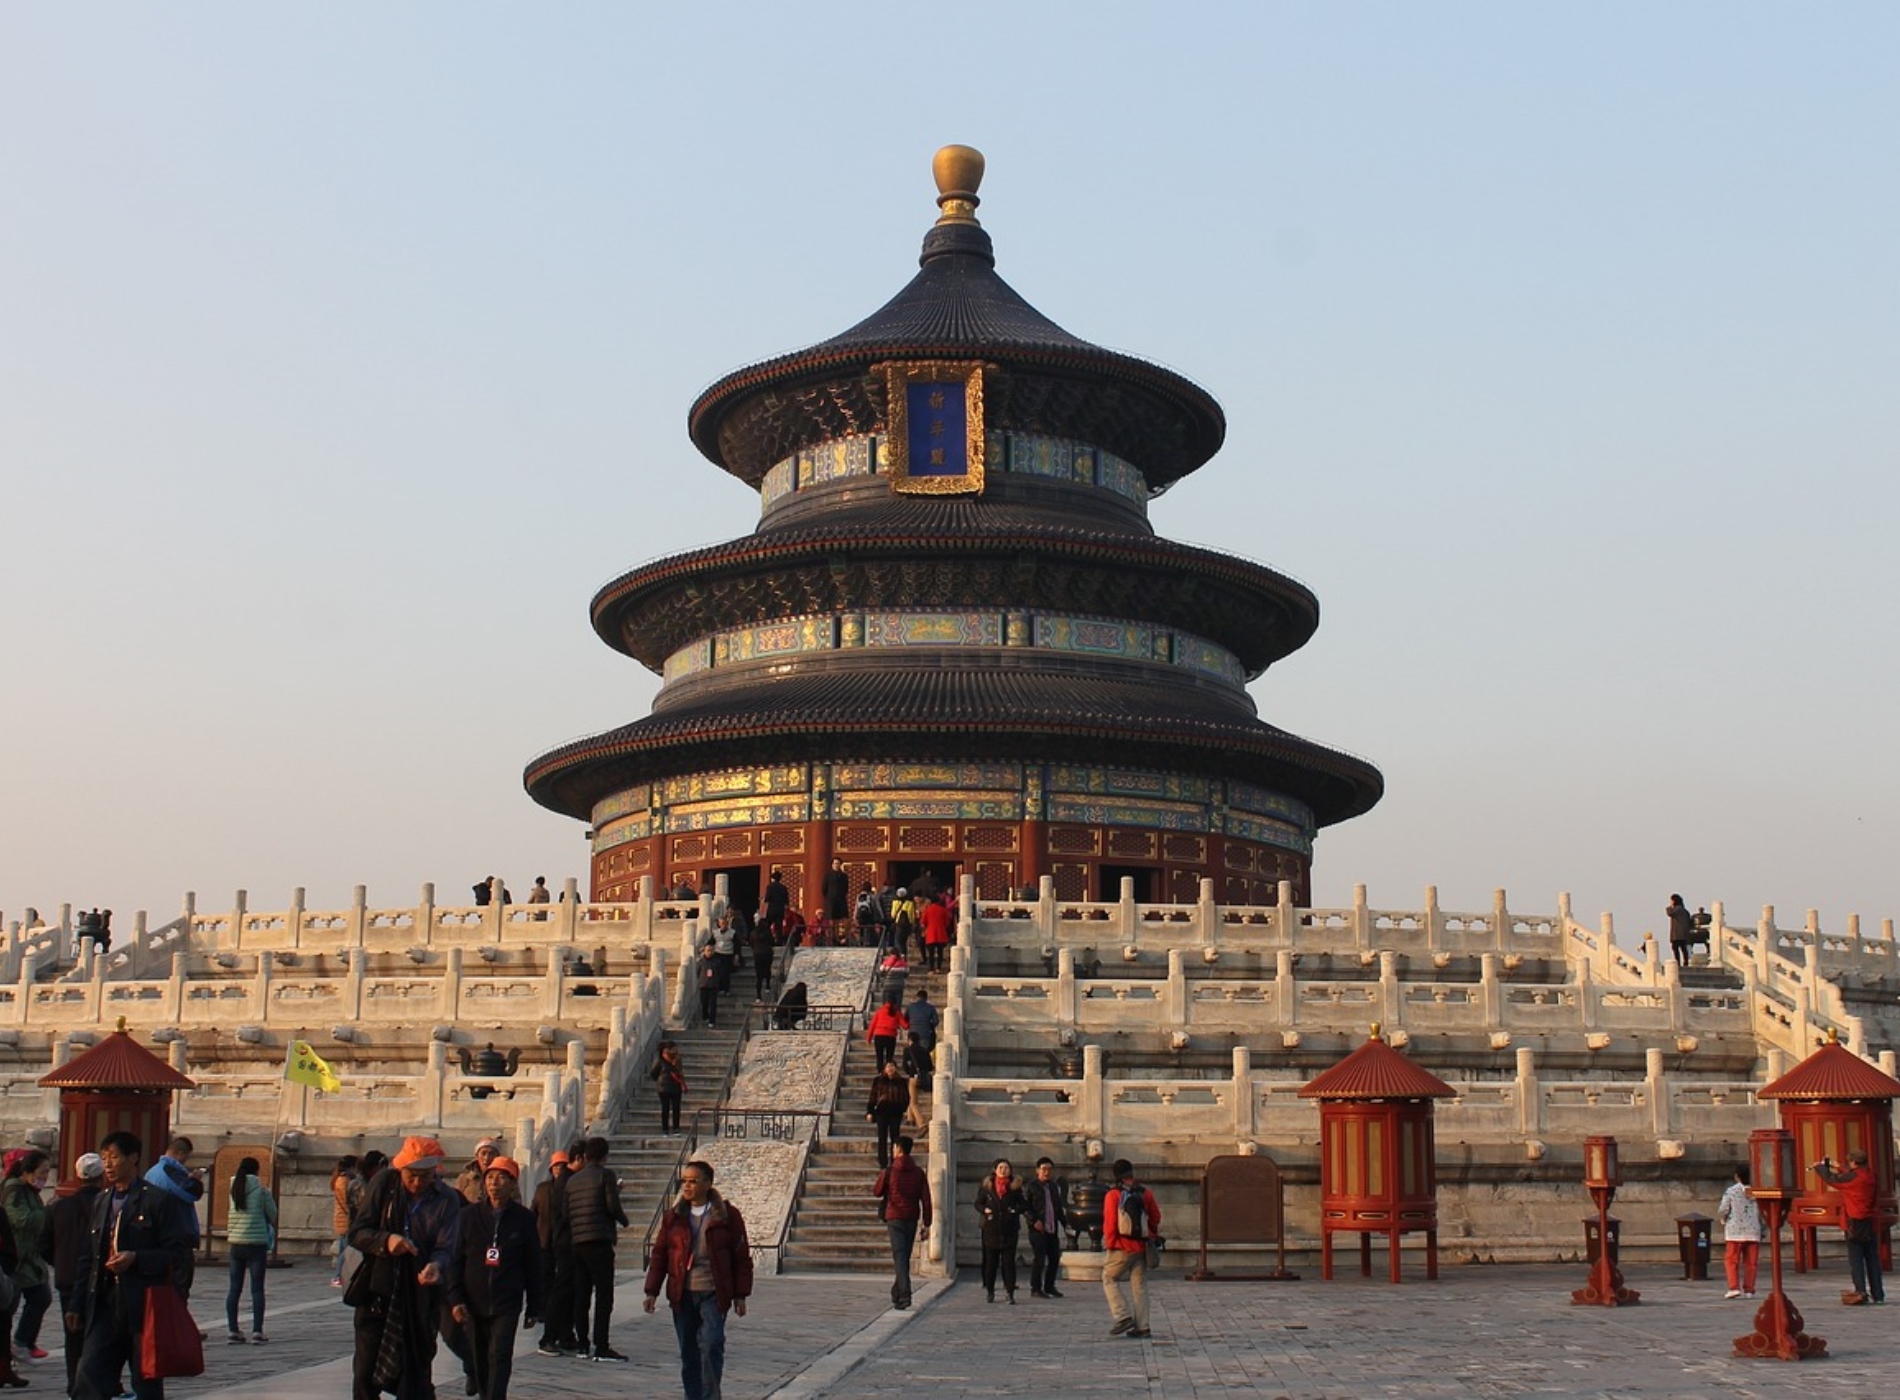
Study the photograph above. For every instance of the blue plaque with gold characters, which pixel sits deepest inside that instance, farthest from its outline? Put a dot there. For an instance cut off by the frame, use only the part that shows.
(934, 435)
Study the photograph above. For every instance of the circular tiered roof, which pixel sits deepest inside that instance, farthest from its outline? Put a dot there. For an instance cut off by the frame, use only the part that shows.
(1040, 378)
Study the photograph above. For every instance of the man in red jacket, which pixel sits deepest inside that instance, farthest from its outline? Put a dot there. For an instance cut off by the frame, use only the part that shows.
(1130, 1219)
(702, 1258)
(1860, 1220)
(905, 1192)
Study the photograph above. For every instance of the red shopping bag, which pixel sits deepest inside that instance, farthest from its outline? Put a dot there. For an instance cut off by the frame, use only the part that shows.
(171, 1345)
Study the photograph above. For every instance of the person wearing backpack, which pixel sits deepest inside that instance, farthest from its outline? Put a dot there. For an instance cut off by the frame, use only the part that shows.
(903, 920)
(1130, 1220)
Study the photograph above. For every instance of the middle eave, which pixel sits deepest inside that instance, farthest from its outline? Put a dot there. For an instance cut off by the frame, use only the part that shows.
(1256, 613)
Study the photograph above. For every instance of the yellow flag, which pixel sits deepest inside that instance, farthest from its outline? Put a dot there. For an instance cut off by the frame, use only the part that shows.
(306, 1066)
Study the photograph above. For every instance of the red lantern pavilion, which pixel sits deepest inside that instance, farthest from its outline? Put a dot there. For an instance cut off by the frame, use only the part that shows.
(954, 642)
(1834, 1102)
(1377, 1172)
(116, 1085)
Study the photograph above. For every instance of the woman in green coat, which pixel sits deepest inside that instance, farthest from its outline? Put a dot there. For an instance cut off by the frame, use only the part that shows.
(27, 1172)
(252, 1224)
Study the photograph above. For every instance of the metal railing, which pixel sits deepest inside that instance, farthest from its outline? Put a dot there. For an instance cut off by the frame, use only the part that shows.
(738, 1125)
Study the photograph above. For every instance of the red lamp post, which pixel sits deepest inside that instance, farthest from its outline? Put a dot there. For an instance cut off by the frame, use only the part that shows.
(1775, 1175)
(1602, 1175)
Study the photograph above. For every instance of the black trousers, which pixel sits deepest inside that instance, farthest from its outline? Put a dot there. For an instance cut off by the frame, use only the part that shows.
(593, 1284)
(890, 1127)
(75, 1341)
(558, 1326)
(1003, 1257)
(492, 1343)
(368, 1339)
(670, 1113)
(111, 1347)
(1046, 1256)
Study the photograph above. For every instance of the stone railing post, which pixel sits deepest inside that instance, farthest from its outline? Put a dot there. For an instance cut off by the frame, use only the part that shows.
(1208, 913)
(356, 933)
(451, 995)
(552, 984)
(1490, 994)
(1606, 947)
(1434, 921)
(261, 990)
(238, 903)
(1500, 921)
(1046, 919)
(577, 1074)
(293, 921)
(1361, 919)
(643, 914)
(1067, 994)
(1286, 995)
(1286, 917)
(1678, 997)
(966, 910)
(1177, 1010)
(1656, 1085)
(1587, 1004)
(185, 914)
(1243, 1094)
(950, 1052)
(1391, 994)
(942, 1243)
(495, 913)
(1530, 1098)
(567, 913)
(1126, 916)
(175, 988)
(1887, 1062)
(353, 984)
(1765, 947)
(1094, 1094)
(434, 1086)
(1718, 926)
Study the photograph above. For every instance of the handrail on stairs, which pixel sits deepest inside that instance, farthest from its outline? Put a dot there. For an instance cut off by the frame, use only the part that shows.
(741, 1124)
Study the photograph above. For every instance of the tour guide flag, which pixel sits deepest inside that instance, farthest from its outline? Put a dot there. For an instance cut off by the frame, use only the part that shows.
(306, 1066)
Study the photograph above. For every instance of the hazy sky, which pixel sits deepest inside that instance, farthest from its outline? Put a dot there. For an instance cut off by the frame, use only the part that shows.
(346, 350)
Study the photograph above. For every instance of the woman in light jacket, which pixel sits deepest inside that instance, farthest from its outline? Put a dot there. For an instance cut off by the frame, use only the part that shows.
(252, 1224)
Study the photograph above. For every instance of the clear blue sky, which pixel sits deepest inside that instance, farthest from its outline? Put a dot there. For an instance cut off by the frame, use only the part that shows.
(345, 350)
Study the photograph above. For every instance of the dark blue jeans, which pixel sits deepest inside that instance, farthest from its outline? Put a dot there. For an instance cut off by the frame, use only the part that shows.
(701, 1329)
(903, 1240)
(34, 1301)
(1863, 1260)
(246, 1260)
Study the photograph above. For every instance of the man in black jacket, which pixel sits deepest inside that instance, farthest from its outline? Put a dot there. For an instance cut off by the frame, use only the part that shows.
(494, 1273)
(550, 1219)
(594, 1214)
(63, 1240)
(1048, 1197)
(135, 1239)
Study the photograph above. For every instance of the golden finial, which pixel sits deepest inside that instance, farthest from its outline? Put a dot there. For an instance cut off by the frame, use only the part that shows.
(122, 1025)
(958, 171)
(1375, 1032)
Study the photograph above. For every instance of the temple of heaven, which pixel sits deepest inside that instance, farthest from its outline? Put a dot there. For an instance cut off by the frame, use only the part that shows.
(954, 644)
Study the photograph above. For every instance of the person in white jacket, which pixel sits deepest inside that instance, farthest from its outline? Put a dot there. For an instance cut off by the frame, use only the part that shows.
(1741, 1232)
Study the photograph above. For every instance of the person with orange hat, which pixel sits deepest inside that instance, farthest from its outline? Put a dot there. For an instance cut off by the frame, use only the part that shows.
(406, 1230)
(495, 1276)
(550, 1219)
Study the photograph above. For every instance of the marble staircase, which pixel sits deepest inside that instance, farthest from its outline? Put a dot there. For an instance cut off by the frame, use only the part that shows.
(835, 1228)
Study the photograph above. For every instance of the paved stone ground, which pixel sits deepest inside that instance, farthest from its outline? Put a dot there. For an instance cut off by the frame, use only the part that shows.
(1478, 1331)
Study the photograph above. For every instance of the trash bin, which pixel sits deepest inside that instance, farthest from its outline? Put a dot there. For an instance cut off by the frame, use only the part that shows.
(1693, 1233)
(1590, 1239)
